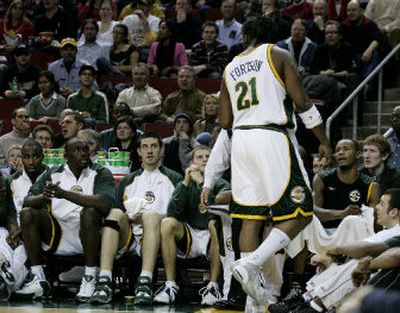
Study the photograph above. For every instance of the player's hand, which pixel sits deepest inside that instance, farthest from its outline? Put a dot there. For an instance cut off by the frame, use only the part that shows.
(366, 56)
(52, 190)
(135, 218)
(352, 209)
(361, 273)
(13, 238)
(321, 261)
(325, 151)
(205, 195)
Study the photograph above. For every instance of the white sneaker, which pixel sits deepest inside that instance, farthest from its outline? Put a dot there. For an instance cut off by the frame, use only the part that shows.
(252, 306)
(6, 272)
(167, 294)
(74, 275)
(210, 294)
(88, 286)
(249, 276)
(34, 289)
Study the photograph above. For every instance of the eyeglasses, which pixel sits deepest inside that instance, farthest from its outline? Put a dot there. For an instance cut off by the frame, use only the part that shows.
(23, 116)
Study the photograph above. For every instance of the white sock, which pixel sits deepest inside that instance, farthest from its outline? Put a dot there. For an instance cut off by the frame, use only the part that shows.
(106, 273)
(315, 306)
(214, 284)
(275, 241)
(91, 271)
(147, 274)
(171, 283)
(38, 271)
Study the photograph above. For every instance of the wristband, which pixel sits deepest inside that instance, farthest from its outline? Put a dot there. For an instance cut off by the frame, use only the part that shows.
(311, 118)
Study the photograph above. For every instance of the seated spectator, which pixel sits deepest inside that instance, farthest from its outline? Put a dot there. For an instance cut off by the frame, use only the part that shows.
(92, 104)
(142, 25)
(92, 139)
(13, 160)
(332, 10)
(15, 27)
(44, 135)
(385, 13)
(126, 139)
(229, 30)
(66, 69)
(210, 115)
(18, 136)
(299, 46)
(166, 55)
(299, 9)
(144, 101)
(364, 35)
(19, 80)
(48, 104)
(376, 151)
(271, 8)
(188, 26)
(94, 9)
(71, 123)
(78, 215)
(187, 98)
(316, 26)
(56, 20)
(209, 56)
(394, 140)
(122, 56)
(178, 148)
(183, 221)
(156, 9)
(90, 50)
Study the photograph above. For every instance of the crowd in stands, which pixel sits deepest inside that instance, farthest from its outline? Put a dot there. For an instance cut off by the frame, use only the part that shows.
(98, 87)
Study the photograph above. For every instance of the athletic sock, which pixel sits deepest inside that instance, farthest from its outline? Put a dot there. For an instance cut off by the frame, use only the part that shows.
(147, 274)
(275, 241)
(91, 271)
(106, 273)
(171, 283)
(38, 271)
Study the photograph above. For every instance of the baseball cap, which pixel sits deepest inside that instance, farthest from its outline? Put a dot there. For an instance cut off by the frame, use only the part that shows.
(22, 50)
(185, 116)
(68, 41)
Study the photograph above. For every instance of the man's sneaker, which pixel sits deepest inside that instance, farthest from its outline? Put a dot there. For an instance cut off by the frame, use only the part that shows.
(252, 306)
(143, 291)
(285, 306)
(35, 288)
(167, 294)
(6, 271)
(295, 289)
(74, 275)
(87, 288)
(248, 275)
(103, 292)
(210, 294)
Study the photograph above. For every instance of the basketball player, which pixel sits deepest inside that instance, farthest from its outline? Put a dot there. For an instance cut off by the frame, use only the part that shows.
(268, 176)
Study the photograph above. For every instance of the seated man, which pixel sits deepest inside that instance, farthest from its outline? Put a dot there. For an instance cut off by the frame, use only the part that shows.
(134, 224)
(71, 123)
(79, 194)
(184, 232)
(44, 135)
(327, 288)
(92, 138)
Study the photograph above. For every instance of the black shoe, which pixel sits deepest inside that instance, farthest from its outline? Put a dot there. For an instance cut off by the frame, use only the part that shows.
(285, 306)
(236, 304)
(303, 308)
(143, 291)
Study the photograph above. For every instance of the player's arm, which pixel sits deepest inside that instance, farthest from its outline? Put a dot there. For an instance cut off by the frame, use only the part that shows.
(360, 249)
(308, 113)
(323, 215)
(225, 109)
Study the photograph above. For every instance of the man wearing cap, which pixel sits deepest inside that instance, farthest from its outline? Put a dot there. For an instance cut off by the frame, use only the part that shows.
(178, 147)
(66, 69)
(19, 79)
(142, 25)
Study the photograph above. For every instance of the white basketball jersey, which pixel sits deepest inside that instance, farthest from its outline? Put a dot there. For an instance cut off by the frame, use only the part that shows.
(256, 91)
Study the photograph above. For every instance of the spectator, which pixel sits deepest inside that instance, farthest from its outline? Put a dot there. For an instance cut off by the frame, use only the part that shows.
(142, 25)
(299, 9)
(71, 123)
(94, 9)
(90, 50)
(92, 139)
(144, 101)
(13, 160)
(229, 30)
(44, 135)
(393, 138)
(127, 139)
(299, 46)
(209, 122)
(56, 20)
(122, 55)
(66, 69)
(271, 8)
(18, 136)
(385, 13)
(316, 26)
(188, 26)
(166, 55)
(92, 104)
(15, 27)
(156, 9)
(19, 80)
(187, 98)
(332, 12)
(364, 34)
(209, 56)
(48, 104)
(178, 147)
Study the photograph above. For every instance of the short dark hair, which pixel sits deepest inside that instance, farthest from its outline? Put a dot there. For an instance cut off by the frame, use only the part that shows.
(334, 23)
(50, 77)
(43, 127)
(210, 24)
(260, 29)
(87, 67)
(126, 119)
(394, 194)
(32, 143)
(14, 113)
(78, 117)
(90, 21)
(150, 134)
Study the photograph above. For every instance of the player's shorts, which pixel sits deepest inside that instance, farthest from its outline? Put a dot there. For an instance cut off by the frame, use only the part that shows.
(268, 176)
(65, 239)
(133, 242)
(194, 243)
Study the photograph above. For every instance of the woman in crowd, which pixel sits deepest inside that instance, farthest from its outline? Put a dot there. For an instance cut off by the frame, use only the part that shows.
(209, 122)
(166, 55)
(15, 28)
(48, 104)
(92, 9)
